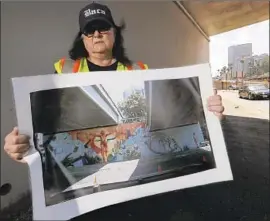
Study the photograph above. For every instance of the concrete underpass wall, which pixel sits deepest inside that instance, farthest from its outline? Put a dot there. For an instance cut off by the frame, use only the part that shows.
(34, 35)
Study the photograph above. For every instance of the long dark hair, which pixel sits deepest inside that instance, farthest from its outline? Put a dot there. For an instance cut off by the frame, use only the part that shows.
(78, 50)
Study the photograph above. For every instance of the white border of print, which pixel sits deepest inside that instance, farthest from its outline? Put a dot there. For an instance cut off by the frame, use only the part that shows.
(63, 211)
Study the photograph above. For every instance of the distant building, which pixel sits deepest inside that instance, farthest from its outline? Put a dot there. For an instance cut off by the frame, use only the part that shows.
(259, 58)
(235, 54)
(252, 61)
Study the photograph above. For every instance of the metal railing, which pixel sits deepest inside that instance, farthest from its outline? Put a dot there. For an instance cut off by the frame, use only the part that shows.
(133, 120)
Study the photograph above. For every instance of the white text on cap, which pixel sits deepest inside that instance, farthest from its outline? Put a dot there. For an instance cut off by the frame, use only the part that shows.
(89, 12)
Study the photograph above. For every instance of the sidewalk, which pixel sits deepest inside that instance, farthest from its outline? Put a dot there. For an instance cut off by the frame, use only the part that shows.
(110, 173)
(242, 107)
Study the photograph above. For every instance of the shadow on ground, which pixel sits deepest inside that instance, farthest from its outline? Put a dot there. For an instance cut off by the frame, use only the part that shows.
(247, 198)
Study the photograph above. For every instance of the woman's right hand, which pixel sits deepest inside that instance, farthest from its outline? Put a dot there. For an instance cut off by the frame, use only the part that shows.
(16, 145)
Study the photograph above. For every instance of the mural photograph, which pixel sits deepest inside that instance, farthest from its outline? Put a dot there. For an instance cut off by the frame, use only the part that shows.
(99, 138)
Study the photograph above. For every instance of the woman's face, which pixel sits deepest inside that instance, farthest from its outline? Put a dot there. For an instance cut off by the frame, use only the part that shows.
(99, 37)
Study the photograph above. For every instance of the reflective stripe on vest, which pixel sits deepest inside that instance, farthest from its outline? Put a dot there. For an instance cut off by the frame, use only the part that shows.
(70, 66)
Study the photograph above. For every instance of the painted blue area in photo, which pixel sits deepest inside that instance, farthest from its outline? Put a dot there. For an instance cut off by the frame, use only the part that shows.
(139, 145)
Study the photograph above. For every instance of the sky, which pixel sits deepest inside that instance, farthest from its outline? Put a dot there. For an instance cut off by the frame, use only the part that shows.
(257, 34)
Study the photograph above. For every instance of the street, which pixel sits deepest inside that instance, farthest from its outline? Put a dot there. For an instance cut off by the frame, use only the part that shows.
(235, 106)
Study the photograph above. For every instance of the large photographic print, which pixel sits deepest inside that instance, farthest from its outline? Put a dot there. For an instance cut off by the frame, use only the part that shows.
(94, 140)
(101, 137)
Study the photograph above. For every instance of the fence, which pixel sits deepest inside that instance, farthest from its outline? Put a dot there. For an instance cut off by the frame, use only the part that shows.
(224, 85)
(132, 120)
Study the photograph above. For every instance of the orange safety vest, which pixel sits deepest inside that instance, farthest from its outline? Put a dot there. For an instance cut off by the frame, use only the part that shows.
(80, 65)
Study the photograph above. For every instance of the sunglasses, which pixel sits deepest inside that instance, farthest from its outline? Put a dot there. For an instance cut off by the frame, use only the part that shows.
(101, 27)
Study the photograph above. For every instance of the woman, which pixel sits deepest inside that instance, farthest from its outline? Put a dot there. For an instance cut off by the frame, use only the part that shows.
(97, 47)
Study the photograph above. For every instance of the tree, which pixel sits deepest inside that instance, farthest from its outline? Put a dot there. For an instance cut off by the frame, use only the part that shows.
(250, 70)
(224, 70)
(230, 67)
(133, 107)
(227, 72)
(265, 64)
(257, 67)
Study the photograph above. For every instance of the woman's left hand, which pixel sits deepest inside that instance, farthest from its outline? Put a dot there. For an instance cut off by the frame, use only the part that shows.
(214, 104)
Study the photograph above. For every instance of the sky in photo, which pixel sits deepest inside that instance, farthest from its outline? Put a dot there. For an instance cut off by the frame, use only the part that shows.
(117, 92)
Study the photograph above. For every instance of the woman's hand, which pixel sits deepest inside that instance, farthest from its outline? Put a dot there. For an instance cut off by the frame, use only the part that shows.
(16, 145)
(214, 104)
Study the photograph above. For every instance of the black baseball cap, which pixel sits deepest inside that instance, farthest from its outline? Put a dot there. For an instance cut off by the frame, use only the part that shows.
(95, 12)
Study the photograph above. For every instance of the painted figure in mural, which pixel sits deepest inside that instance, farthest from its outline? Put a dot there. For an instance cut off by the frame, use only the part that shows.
(103, 149)
(91, 143)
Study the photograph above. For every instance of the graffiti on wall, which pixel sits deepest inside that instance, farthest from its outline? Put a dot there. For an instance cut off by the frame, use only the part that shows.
(160, 144)
(118, 143)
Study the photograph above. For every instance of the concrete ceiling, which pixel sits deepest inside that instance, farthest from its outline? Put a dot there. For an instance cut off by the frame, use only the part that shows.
(215, 17)
(69, 109)
(180, 105)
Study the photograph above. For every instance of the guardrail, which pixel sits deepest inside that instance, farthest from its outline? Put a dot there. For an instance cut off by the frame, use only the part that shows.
(132, 120)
